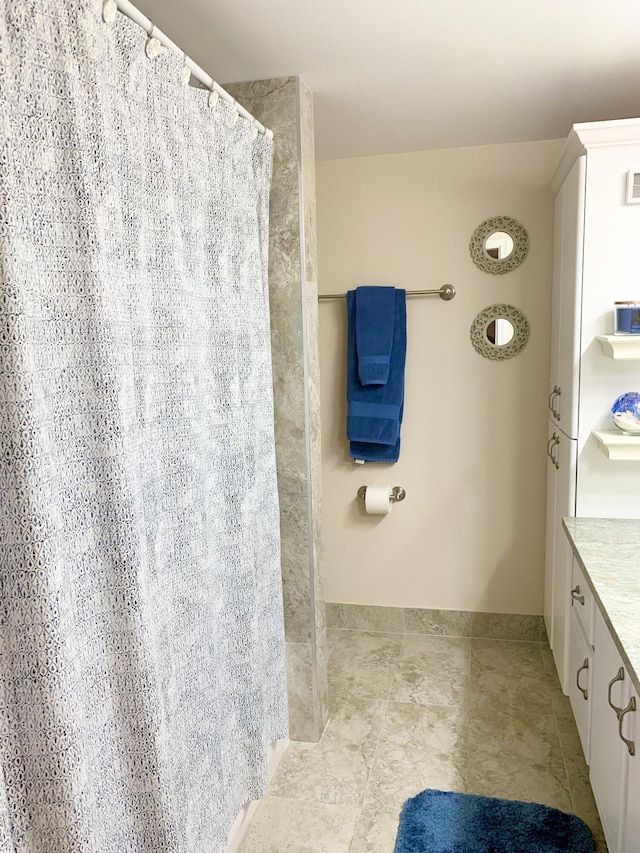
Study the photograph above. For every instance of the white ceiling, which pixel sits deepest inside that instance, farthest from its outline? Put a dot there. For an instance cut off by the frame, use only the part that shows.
(406, 75)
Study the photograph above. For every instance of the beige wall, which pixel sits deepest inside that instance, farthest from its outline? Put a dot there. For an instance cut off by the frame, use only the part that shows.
(470, 534)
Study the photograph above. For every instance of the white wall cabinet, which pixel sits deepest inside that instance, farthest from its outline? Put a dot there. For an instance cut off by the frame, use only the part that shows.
(563, 406)
(551, 534)
(569, 210)
(561, 495)
(595, 263)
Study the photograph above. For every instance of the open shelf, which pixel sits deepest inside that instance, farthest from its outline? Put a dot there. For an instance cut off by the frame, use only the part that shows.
(617, 446)
(622, 347)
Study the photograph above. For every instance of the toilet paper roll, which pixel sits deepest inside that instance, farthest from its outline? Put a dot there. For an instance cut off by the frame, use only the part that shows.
(377, 500)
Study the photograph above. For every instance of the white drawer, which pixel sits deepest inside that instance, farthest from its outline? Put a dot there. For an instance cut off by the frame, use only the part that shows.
(582, 602)
(580, 679)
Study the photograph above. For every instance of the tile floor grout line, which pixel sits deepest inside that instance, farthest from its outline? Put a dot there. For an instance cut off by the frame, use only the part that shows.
(562, 753)
(564, 764)
(373, 758)
(557, 726)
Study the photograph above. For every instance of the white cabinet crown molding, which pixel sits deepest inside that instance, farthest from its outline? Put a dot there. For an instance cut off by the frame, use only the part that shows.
(593, 135)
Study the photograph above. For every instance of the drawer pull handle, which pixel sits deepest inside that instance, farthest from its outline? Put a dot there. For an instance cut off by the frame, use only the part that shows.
(553, 446)
(555, 393)
(585, 665)
(575, 594)
(618, 677)
(630, 707)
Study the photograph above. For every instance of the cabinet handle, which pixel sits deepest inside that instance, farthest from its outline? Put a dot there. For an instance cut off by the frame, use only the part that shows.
(585, 693)
(551, 396)
(558, 394)
(575, 594)
(553, 446)
(630, 707)
(551, 440)
(618, 677)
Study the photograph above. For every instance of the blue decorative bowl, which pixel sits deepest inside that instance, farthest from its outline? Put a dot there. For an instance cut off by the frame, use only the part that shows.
(626, 413)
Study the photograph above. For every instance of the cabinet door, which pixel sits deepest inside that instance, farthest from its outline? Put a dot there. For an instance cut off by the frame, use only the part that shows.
(580, 678)
(568, 298)
(607, 752)
(631, 729)
(551, 533)
(565, 454)
(556, 295)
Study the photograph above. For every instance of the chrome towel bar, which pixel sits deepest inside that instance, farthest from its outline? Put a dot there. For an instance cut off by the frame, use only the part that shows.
(446, 292)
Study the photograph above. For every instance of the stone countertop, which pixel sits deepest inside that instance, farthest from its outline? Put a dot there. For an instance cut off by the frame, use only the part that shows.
(608, 551)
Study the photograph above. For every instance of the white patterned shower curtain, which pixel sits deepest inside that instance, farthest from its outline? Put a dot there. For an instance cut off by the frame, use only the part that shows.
(141, 638)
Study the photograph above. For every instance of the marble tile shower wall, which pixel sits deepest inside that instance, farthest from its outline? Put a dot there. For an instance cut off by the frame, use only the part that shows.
(286, 106)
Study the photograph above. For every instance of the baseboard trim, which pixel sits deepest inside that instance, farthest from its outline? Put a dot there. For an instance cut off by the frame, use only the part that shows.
(444, 623)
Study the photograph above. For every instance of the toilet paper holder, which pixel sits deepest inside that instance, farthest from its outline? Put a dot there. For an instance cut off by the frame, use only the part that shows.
(397, 493)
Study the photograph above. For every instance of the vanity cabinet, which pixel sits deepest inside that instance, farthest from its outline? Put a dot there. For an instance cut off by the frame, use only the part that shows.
(595, 262)
(582, 602)
(605, 600)
(632, 821)
(608, 754)
(581, 680)
(581, 653)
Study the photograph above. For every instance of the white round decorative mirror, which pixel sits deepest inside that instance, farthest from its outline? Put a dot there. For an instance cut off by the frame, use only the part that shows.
(499, 245)
(499, 332)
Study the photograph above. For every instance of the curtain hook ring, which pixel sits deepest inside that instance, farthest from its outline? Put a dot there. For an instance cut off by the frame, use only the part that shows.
(109, 11)
(153, 47)
(214, 97)
(186, 71)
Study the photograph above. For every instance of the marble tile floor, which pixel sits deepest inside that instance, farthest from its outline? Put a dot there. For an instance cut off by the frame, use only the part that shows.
(414, 711)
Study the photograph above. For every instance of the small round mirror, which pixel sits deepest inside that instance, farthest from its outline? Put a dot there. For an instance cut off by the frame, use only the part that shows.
(499, 245)
(499, 332)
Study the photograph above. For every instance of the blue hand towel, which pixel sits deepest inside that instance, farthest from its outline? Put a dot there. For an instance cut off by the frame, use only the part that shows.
(375, 314)
(374, 452)
(375, 411)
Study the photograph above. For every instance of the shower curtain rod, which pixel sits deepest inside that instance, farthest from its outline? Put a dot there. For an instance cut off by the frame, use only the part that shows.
(201, 76)
(446, 292)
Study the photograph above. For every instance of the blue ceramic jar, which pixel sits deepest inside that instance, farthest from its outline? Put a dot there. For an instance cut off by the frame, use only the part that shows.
(626, 413)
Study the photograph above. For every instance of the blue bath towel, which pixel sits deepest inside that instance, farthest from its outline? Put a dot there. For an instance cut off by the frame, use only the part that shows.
(375, 315)
(375, 411)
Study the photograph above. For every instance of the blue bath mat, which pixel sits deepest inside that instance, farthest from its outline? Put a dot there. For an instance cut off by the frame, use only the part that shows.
(444, 822)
